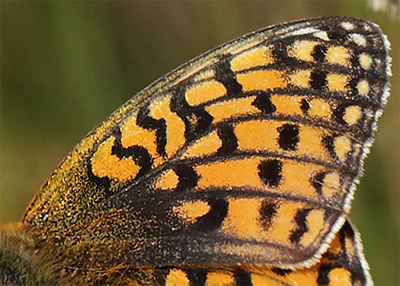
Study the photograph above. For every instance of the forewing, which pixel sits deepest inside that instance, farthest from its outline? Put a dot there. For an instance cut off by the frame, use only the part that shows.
(249, 154)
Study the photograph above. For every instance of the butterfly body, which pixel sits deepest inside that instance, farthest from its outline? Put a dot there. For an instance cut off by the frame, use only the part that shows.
(238, 164)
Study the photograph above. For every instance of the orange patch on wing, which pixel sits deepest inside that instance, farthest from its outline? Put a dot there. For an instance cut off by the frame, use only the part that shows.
(204, 92)
(175, 125)
(206, 145)
(242, 219)
(260, 56)
(104, 164)
(232, 108)
(230, 173)
(261, 80)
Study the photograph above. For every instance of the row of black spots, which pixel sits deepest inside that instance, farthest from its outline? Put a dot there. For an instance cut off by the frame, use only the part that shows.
(197, 120)
(225, 75)
(144, 120)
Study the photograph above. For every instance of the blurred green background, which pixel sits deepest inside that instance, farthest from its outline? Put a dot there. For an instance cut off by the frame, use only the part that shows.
(65, 66)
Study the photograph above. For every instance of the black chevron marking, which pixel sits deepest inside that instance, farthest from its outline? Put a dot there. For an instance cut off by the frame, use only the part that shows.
(228, 138)
(197, 120)
(158, 125)
(225, 75)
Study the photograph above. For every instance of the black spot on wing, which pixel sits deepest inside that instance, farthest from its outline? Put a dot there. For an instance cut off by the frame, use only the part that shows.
(317, 181)
(225, 75)
(187, 177)
(319, 52)
(329, 143)
(281, 272)
(305, 106)
(213, 219)
(228, 138)
(288, 136)
(323, 274)
(270, 172)
(318, 80)
(197, 276)
(263, 103)
(267, 212)
(242, 278)
(301, 222)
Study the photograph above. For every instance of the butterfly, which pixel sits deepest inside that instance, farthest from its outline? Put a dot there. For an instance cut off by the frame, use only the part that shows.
(237, 168)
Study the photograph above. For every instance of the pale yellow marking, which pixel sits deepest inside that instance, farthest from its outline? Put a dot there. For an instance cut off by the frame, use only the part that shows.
(300, 78)
(260, 56)
(206, 145)
(205, 75)
(261, 80)
(331, 185)
(320, 108)
(232, 173)
(190, 211)
(282, 223)
(322, 35)
(352, 114)
(167, 181)
(132, 134)
(359, 39)
(288, 105)
(220, 278)
(315, 223)
(204, 92)
(257, 135)
(296, 178)
(302, 50)
(242, 219)
(338, 55)
(349, 242)
(342, 147)
(310, 142)
(175, 125)
(347, 26)
(365, 61)
(336, 82)
(177, 277)
(363, 87)
(339, 277)
(232, 108)
(104, 164)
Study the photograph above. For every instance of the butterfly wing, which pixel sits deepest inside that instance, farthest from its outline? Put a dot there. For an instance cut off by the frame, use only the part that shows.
(248, 154)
